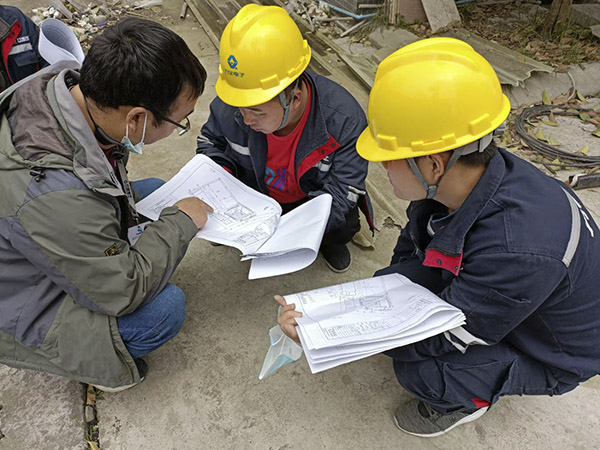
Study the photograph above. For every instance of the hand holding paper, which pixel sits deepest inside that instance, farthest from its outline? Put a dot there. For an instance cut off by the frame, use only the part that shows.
(287, 318)
(350, 321)
(246, 219)
(196, 209)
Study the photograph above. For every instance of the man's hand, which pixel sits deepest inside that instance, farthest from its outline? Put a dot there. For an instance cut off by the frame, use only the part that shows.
(287, 318)
(196, 209)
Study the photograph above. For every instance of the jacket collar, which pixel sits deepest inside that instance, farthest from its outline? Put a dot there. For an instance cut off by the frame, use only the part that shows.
(446, 247)
(89, 160)
(315, 133)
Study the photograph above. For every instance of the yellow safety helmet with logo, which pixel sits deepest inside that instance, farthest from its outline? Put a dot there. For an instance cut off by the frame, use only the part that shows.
(432, 96)
(261, 53)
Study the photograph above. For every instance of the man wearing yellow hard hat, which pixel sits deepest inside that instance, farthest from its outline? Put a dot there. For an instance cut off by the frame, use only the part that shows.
(284, 131)
(489, 233)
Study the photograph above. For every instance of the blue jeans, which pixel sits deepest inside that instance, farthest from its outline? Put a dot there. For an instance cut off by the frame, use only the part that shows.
(146, 186)
(152, 325)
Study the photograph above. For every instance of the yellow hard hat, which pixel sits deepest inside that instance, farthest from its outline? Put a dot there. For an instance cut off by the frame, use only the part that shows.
(431, 96)
(261, 53)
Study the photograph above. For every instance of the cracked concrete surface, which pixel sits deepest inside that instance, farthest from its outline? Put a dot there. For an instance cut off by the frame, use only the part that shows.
(203, 392)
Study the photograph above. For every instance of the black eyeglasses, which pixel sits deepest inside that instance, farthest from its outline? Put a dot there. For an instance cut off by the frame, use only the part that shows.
(185, 126)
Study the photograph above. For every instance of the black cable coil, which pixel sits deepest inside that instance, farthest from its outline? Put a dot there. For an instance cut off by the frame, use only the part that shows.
(567, 159)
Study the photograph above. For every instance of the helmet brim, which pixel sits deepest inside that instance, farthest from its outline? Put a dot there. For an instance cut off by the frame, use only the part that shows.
(369, 148)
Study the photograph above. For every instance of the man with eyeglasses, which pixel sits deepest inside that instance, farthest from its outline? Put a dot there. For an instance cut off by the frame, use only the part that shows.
(85, 289)
(184, 126)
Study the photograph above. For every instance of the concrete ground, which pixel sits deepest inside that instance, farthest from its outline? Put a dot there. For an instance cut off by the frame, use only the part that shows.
(203, 392)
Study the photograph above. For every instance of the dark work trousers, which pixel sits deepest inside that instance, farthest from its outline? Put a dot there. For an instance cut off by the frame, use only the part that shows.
(339, 236)
(457, 381)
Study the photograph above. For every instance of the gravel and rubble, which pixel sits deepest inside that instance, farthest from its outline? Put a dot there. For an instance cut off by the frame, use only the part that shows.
(87, 18)
(513, 24)
(321, 17)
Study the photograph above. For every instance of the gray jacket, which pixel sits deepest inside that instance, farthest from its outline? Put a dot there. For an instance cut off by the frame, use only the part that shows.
(66, 269)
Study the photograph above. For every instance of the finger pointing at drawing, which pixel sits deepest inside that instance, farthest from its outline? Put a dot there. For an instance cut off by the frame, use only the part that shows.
(196, 209)
(287, 318)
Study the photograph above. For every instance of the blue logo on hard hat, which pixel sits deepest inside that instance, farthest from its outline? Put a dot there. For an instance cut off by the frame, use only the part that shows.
(232, 61)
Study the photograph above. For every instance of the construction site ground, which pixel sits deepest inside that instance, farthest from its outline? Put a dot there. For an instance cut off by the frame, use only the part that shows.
(203, 391)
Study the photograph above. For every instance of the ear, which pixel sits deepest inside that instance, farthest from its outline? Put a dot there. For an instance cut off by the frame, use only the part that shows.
(437, 164)
(297, 97)
(135, 118)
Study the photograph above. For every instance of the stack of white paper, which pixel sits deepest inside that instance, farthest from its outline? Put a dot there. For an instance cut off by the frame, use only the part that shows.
(354, 320)
(246, 219)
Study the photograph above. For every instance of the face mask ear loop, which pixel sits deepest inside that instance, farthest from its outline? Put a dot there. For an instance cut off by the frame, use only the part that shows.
(478, 146)
(144, 130)
(286, 110)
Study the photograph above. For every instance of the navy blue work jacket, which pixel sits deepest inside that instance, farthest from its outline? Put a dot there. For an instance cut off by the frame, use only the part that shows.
(326, 160)
(521, 259)
(19, 38)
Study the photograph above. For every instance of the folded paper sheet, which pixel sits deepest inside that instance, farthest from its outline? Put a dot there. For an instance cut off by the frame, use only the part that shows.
(246, 219)
(58, 43)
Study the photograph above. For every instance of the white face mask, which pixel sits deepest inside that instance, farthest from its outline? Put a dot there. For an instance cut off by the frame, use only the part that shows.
(126, 142)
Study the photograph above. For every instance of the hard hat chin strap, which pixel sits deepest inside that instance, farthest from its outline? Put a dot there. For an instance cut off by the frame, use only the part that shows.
(285, 103)
(478, 146)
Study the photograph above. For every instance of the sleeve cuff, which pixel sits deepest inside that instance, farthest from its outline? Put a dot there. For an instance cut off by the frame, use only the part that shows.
(185, 222)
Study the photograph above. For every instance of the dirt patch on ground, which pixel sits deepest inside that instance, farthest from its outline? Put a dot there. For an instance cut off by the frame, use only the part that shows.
(517, 26)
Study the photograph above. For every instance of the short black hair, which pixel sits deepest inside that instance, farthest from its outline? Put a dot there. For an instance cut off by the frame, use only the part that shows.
(287, 91)
(138, 62)
(294, 85)
(478, 159)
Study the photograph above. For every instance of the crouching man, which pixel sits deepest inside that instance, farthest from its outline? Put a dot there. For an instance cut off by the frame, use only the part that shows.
(489, 233)
(284, 131)
(80, 296)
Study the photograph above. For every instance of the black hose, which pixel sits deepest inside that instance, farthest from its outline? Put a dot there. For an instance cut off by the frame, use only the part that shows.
(567, 159)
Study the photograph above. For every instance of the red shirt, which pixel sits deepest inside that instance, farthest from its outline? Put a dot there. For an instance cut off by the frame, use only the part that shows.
(280, 174)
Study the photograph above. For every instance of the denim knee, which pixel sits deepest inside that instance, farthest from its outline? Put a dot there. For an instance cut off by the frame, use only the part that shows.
(175, 307)
(155, 323)
(147, 186)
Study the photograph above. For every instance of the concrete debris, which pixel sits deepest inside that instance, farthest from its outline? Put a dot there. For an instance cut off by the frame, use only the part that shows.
(441, 13)
(586, 14)
(148, 3)
(324, 19)
(311, 11)
(89, 413)
(86, 18)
